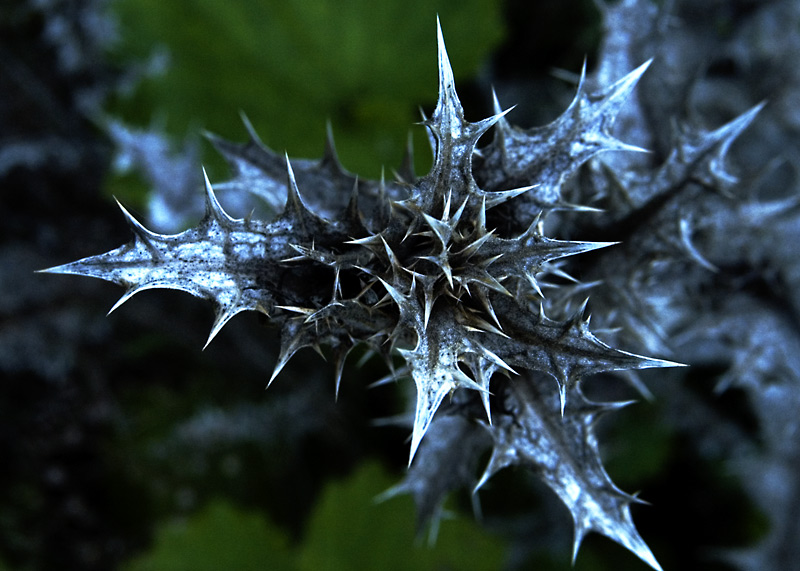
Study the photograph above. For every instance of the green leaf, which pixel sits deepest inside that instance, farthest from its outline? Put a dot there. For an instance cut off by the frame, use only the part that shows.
(348, 530)
(291, 66)
(221, 536)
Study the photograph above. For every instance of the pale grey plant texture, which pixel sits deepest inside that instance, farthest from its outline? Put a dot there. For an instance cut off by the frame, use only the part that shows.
(476, 282)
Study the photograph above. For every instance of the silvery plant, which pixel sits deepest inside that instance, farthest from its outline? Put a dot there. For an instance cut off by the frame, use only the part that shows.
(476, 281)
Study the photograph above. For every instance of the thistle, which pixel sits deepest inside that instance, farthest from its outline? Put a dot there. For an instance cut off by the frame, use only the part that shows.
(447, 270)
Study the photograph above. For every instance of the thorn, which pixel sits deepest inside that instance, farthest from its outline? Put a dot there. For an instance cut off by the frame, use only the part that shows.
(609, 143)
(222, 318)
(484, 478)
(619, 91)
(398, 297)
(560, 205)
(497, 462)
(125, 297)
(688, 247)
(481, 220)
(731, 130)
(301, 310)
(725, 137)
(487, 406)
(278, 366)
(427, 291)
(392, 492)
(339, 370)
(497, 360)
(582, 78)
(496, 103)
(393, 261)
(295, 207)
(251, 132)
(493, 198)
(214, 209)
(440, 228)
(487, 305)
(479, 128)
(383, 209)
(446, 80)
(291, 342)
(502, 124)
(140, 231)
(580, 318)
(330, 158)
(448, 116)
(580, 533)
(352, 205)
(457, 216)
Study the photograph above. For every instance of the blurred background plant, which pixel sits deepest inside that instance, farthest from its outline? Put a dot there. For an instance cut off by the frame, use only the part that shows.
(126, 447)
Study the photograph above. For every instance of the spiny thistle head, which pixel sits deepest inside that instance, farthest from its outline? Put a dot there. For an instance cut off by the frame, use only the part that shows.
(420, 267)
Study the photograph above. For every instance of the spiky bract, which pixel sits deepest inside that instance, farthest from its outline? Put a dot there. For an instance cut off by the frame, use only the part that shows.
(412, 267)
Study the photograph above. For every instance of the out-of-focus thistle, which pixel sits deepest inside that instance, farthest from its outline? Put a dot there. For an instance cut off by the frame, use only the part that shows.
(449, 271)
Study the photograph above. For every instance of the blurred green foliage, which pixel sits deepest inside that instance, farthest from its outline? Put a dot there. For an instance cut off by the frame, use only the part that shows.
(290, 66)
(636, 450)
(349, 531)
(220, 536)
(346, 531)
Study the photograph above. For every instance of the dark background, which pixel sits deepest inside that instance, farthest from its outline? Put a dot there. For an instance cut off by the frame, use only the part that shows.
(120, 439)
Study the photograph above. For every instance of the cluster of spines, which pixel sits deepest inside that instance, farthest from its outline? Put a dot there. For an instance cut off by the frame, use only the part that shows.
(431, 281)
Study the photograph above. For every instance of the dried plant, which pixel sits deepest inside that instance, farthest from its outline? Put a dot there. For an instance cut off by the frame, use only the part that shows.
(477, 275)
